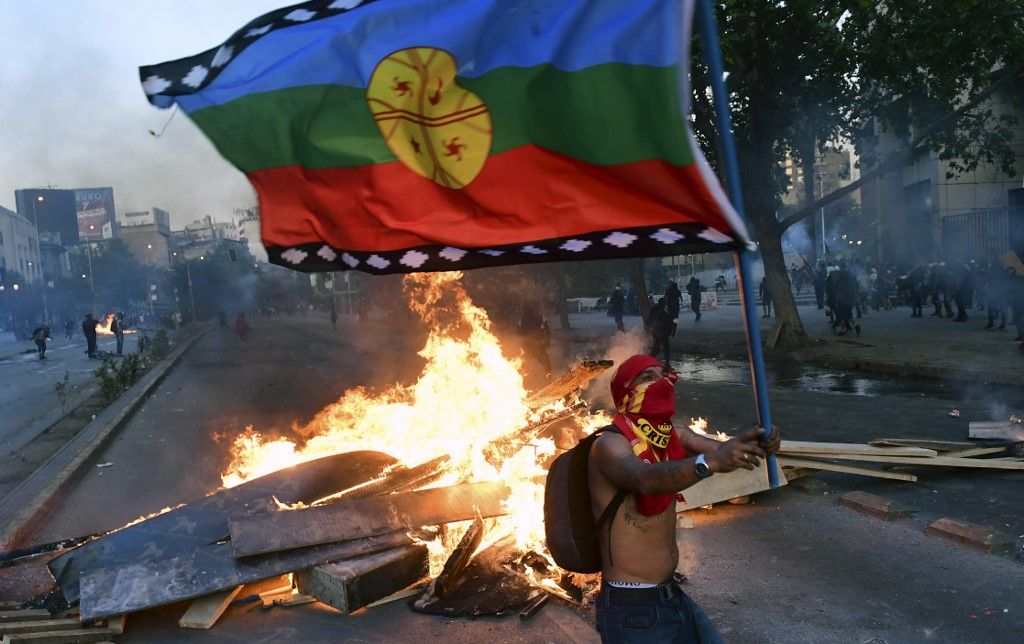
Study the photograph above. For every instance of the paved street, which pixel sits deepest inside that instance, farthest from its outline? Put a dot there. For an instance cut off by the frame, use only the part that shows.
(27, 395)
(788, 567)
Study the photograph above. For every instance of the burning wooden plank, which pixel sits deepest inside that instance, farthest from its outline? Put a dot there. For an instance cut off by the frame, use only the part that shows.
(442, 585)
(578, 376)
(350, 585)
(402, 479)
(365, 517)
(185, 531)
(497, 451)
(134, 586)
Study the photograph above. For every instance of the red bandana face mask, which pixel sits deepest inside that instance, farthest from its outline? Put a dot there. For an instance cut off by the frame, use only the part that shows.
(645, 419)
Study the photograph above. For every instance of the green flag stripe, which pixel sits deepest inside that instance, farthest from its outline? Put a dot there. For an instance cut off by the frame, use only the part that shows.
(604, 115)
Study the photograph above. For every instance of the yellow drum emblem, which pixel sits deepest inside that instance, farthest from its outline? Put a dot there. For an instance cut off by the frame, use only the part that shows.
(437, 129)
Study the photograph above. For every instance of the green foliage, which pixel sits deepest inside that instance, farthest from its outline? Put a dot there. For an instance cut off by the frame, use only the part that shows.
(216, 281)
(159, 347)
(117, 376)
(64, 392)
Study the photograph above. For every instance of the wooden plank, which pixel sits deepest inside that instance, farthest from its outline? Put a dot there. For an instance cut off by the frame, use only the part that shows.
(117, 623)
(61, 637)
(144, 584)
(728, 485)
(935, 461)
(812, 447)
(938, 445)
(579, 376)
(442, 585)
(188, 531)
(36, 626)
(393, 597)
(846, 469)
(976, 451)
(278, 531)
(348, 586)
(1002, 430)
(205, 611)
(23, 615)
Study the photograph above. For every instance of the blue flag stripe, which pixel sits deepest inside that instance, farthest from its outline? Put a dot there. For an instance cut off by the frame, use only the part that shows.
(343, 49)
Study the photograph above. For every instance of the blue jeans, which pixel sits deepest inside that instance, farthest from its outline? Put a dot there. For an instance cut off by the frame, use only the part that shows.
(671, 616)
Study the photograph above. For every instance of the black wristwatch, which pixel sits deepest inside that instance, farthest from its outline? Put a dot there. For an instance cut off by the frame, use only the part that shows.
(700, 467)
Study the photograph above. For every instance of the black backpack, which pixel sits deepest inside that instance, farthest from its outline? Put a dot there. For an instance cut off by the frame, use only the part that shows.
(569, 526)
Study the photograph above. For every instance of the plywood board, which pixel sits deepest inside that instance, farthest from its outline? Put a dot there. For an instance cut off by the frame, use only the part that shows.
(846, 469)
(183, 531)
(346, 520)
(935, 461)
(138, 585)
(1006, 431)
(728, 485)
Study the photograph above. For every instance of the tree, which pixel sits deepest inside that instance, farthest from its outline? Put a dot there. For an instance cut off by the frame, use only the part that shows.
(806, 73)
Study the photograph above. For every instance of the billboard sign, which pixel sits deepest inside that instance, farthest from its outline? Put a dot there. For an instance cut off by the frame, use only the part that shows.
(95, 210)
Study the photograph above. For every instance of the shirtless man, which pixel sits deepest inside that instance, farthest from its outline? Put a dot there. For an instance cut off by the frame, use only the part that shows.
(640, 599)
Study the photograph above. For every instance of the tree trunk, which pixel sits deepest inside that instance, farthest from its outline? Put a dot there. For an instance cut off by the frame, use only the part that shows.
(640, 287)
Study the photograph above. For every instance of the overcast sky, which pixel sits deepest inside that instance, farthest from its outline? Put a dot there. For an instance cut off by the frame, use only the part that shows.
(73, 115)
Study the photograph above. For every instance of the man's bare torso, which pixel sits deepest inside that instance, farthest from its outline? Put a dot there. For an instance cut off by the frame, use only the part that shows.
(643, 548)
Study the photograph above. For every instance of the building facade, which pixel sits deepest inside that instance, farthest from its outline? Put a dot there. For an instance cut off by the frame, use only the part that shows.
(19, 247)
(927, 213)
(147, 233)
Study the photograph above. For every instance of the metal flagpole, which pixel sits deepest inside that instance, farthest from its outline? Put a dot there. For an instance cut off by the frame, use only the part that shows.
(713, 57)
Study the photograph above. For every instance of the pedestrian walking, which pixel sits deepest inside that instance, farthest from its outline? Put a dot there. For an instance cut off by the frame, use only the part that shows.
(766, 298)
(222, 317)
(117, 327)
(694, 290)
(89, 325)
(660, 325)
(69, 329)
(334, 318)
(616, 307)
(40, 335)
(819, 286)
(673, 300)
(963, 294)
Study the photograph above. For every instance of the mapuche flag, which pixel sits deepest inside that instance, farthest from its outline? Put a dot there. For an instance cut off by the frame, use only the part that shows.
(395, 136)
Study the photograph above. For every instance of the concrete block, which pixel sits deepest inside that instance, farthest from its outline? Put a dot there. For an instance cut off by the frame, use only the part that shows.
(349, 585)
(876, 506)
(981, 538)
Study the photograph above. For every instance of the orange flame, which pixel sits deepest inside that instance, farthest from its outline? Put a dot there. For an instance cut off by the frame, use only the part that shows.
(468, 395)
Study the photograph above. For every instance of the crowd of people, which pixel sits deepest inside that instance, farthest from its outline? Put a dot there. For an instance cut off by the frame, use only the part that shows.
(848, 290)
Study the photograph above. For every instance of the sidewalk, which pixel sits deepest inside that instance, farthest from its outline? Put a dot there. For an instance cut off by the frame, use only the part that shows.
(891, 342)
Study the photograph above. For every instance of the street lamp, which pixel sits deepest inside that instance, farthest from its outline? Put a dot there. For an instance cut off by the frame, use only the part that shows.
(88, 250)
(35, 222)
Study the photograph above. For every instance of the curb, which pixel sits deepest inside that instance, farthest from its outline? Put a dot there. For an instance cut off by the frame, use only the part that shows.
(39, 427)
(29, 503)
(875, 506)
(978, 537)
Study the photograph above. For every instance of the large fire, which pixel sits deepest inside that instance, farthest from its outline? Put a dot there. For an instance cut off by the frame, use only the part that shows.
(103, 328)
(468, 395)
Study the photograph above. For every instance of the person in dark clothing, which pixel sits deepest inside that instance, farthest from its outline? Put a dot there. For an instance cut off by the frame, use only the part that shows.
(694, 289)
(673, 300)
(964, 293)
(536, 337)
(660, 325)
(939, 288)
(69, 329)
(40, 335)
(847, 295)
(819, 286)
(89, 325)
(334, 318)
(616, 307)
(117, 328)
(222, 318)
(766, 298)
